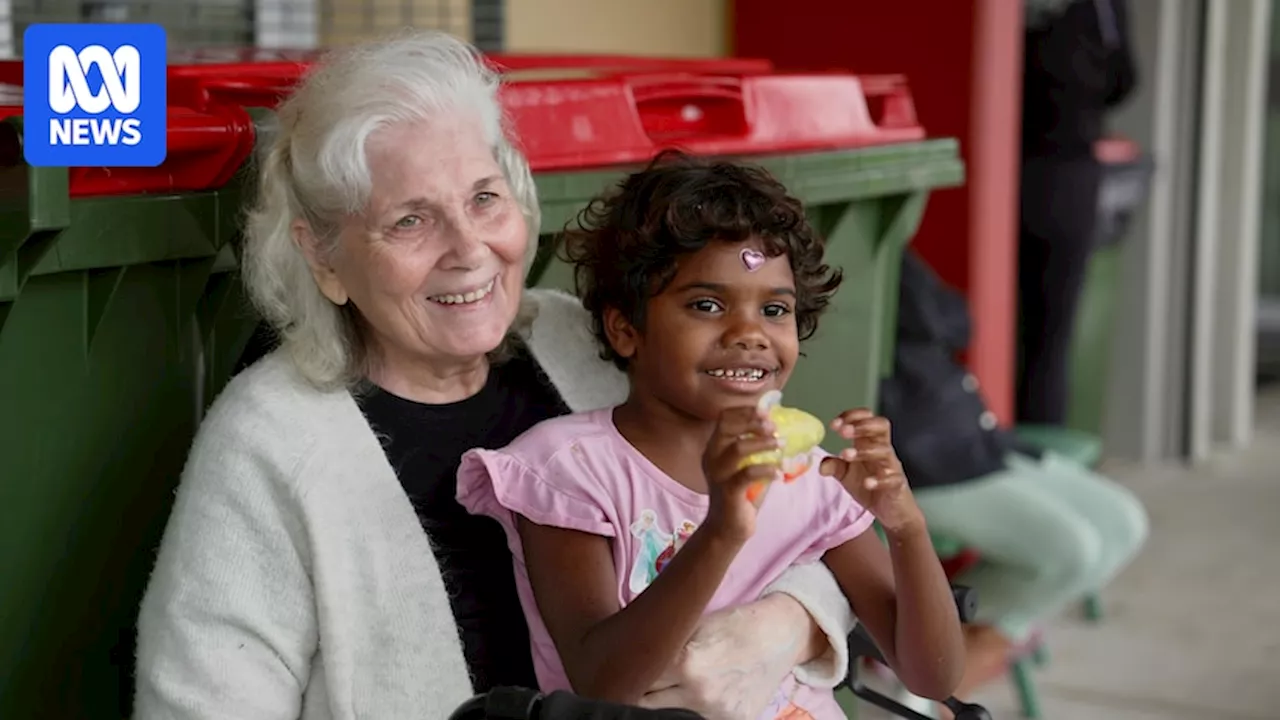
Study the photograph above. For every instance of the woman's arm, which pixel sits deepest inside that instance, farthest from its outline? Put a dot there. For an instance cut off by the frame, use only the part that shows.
(812, 604)
(903, 598)
(614, 653)
(227, 627)
(734, 663)
(738, 656)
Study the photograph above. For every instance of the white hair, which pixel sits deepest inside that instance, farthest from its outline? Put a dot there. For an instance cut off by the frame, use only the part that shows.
(316, 168)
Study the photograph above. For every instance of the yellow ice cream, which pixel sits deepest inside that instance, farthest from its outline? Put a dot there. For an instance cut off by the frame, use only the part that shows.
(798, 434)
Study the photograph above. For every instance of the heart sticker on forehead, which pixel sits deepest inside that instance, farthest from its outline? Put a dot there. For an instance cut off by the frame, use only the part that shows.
(752, 259)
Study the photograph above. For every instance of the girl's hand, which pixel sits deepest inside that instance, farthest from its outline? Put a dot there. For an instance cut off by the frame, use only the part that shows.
(740, 432)
(871, 472)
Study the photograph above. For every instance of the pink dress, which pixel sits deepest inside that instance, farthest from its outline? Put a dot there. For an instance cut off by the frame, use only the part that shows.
(578, 472)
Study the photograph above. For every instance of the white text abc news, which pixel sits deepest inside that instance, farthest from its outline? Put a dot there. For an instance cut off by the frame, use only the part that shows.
(69, 89)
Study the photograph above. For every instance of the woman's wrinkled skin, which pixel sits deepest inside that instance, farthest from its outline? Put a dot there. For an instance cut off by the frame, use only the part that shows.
(720, 669)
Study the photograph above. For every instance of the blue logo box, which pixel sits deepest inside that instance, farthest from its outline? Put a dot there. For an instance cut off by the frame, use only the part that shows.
(94, 95)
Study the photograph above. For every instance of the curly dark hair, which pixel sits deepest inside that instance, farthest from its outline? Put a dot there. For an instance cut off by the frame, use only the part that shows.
(626, 243)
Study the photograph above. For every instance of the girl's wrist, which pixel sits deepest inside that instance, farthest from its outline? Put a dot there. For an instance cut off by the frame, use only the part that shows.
(911, 526)
(720, 536)
(723, 530)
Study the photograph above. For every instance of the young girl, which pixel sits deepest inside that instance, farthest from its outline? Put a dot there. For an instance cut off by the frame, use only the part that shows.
(629, 523)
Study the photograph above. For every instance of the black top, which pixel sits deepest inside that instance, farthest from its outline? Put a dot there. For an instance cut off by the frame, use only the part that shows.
(1077, 66)
(425, 444)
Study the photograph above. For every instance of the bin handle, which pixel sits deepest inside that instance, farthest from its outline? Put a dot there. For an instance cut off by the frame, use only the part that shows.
(889, 101)
(264, 90)
(682, 106)
(651, 88)
(238, 91)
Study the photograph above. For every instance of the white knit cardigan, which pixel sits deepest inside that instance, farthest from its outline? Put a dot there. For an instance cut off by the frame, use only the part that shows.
(294, 579)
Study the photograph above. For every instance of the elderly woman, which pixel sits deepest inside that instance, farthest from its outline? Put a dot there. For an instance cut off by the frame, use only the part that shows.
(317, 564)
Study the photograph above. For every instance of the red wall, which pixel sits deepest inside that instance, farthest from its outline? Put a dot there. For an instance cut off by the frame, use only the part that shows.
(963, 59)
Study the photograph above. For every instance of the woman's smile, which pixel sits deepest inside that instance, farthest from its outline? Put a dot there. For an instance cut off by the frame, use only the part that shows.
(466, 298)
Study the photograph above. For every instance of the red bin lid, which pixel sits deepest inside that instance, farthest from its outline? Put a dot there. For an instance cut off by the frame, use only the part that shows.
(590, 111)
(569, 124)
(10, 100)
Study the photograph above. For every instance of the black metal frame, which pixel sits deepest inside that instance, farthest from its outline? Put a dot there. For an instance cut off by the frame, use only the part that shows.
(507, 703)
(861, 646)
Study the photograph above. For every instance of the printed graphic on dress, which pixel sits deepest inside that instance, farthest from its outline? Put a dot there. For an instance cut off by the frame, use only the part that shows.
(655, 549)
(682, 536)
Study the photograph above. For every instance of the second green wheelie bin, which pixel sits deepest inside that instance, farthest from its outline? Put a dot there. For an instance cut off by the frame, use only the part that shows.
(1124, 187)
(848, 147)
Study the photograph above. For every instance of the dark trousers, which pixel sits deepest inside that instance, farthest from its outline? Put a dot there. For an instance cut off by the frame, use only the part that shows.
(1059, 208)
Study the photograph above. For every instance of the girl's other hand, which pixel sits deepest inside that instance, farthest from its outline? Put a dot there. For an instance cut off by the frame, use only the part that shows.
(870, 470)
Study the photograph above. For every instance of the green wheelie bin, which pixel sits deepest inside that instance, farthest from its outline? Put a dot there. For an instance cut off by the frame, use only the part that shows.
(864, 177)
(1126, 175)
(1124, 187)
(120, 315)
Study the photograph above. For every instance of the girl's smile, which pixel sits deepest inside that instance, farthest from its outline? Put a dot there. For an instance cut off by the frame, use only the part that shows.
(745, 379)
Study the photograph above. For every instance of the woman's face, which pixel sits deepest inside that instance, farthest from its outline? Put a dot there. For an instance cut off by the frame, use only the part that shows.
(435, 264)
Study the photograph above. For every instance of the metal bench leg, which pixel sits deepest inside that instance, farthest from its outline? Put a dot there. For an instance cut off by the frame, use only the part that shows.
(1093, 607)
(1025, 684)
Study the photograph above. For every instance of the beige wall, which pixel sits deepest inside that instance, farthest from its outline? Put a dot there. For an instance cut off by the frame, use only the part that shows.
(351, 20)
(637, 27)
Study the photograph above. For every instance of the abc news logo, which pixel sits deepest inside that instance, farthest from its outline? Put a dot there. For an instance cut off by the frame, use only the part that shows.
(69, 91)
(95, 95)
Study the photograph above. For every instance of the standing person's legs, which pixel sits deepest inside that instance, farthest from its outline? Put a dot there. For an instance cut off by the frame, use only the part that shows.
(1059, 199)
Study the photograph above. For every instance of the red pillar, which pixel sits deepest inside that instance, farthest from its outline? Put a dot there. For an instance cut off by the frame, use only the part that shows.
(963, 59)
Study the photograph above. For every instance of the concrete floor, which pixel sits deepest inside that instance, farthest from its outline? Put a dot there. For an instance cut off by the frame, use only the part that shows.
(1192, 628)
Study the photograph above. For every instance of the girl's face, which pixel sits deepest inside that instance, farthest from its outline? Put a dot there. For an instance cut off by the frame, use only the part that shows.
(720, 335)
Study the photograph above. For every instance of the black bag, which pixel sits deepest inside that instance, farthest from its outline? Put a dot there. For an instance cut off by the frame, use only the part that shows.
(943, 431)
